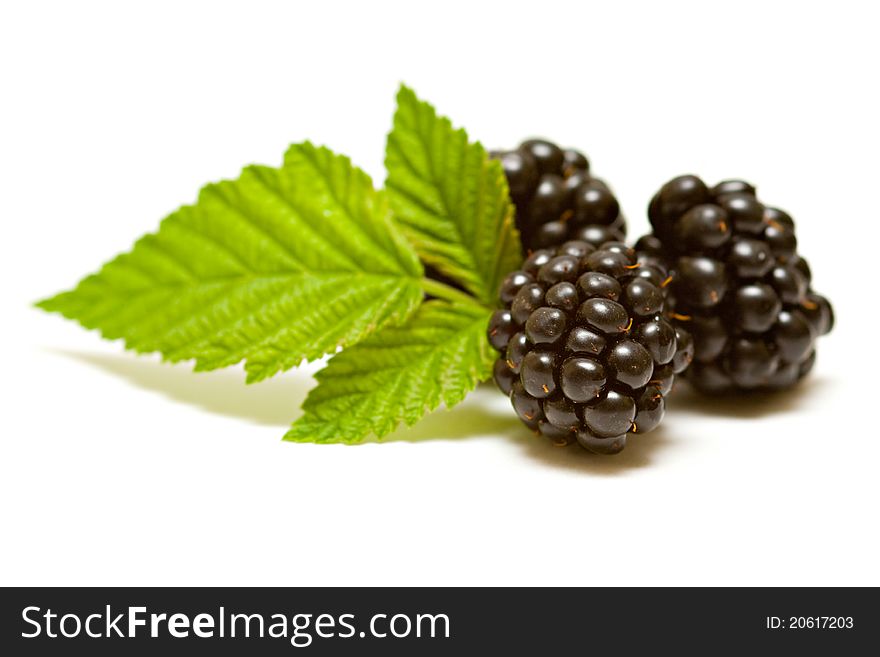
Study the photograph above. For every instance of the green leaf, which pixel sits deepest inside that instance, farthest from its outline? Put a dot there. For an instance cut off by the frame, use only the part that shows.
(398, 375)
(275, 267)
(450, 198)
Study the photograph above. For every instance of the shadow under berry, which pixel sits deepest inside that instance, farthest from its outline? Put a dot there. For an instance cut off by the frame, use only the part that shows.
(686, 399)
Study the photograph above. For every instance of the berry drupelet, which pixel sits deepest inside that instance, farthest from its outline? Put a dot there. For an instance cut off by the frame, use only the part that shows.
(586, 353)
(557, 199)
(738, 285)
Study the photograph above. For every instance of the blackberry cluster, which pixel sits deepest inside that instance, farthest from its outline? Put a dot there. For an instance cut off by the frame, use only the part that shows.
(586, 354)
(557, 199)
(738, 285)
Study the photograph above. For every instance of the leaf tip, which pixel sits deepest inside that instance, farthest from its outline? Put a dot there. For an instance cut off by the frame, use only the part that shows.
(255, 375)
(405, 91)
(53, 304)
(202, 365)
(44, 304)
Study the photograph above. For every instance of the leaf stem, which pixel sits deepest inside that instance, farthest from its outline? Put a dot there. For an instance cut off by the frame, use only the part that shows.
(448, 293)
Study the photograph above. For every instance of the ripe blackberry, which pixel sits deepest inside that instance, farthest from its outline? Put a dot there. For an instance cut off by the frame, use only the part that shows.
(557, 199)
(586, 354)
(738, 284)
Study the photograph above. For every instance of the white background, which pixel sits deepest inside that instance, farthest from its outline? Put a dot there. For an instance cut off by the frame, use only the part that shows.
(116, 469)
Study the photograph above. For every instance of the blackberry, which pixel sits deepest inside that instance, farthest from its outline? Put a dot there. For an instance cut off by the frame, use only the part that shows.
(586, 353)
(738, 285)
(556, 197)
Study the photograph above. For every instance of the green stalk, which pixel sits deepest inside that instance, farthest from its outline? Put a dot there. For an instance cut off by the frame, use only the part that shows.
(447, 293)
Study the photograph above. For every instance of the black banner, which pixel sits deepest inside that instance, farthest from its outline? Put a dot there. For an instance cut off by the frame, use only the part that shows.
(278, 621)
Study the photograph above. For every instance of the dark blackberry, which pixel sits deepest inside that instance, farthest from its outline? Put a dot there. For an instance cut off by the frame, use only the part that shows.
(556, 197)
(501, 328)
(589, 355)
(726, 187)
(738, 285)
(503, 376)
(538, 373)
